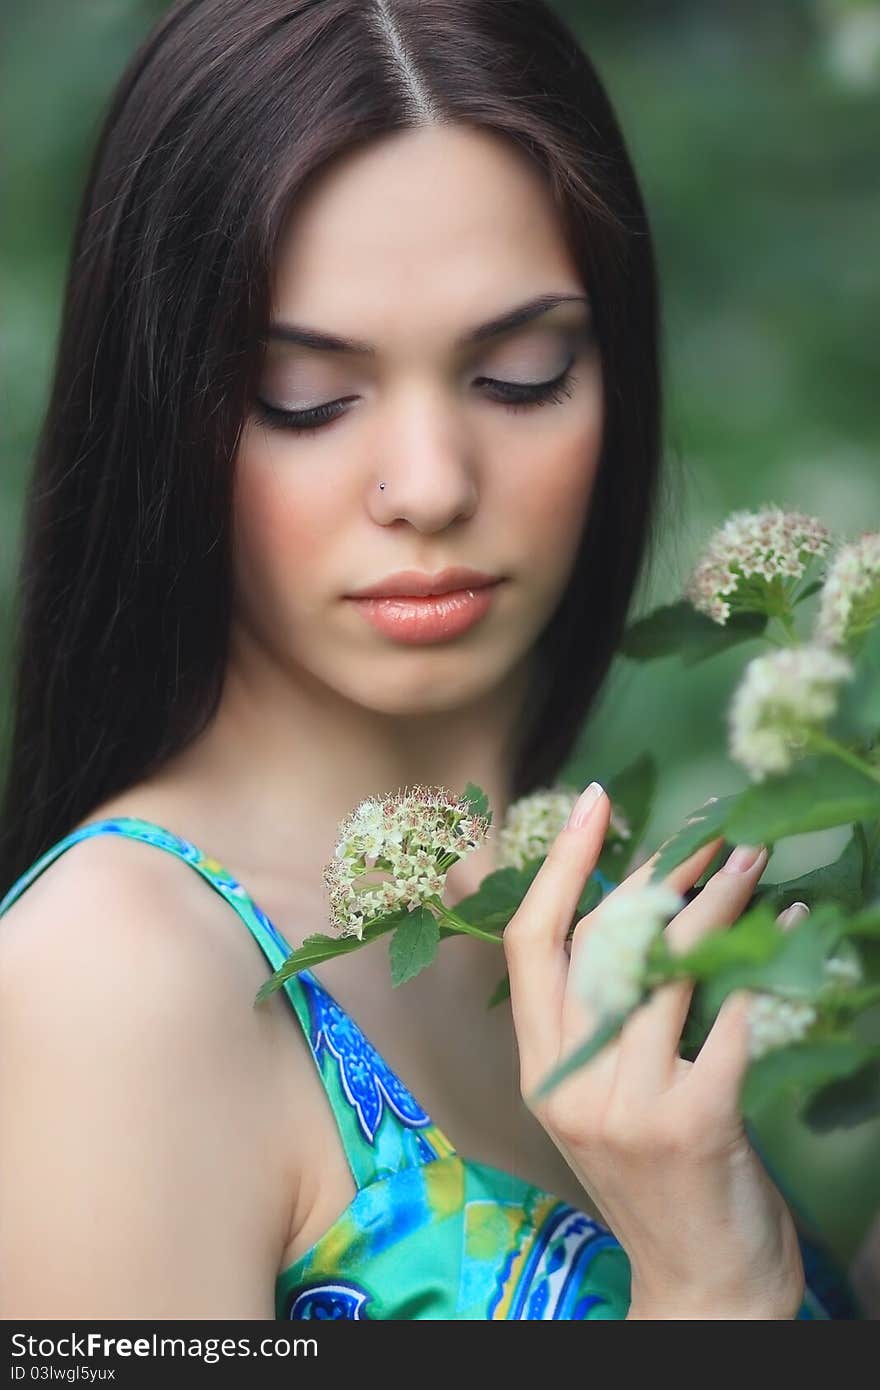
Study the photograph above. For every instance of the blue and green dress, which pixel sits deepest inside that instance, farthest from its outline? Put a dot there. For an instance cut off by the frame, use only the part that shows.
(429, 1234)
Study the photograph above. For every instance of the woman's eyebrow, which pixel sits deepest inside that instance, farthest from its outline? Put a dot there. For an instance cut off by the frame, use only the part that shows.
(502, 323)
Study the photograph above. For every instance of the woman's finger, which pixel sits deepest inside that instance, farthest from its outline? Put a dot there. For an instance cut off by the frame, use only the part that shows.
(721, 1066)
(534, 939)
(724, 1057)
(641, 875)
(577, 1019)
(649, 1043)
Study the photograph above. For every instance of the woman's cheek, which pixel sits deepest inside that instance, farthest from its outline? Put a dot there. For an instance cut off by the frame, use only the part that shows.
(282, 532)
(554, 483)
(563, 503)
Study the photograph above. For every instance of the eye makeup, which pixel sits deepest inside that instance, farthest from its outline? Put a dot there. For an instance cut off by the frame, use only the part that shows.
(512, 395)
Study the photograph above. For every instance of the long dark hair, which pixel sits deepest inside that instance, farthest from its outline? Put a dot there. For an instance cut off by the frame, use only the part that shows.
(124, 590)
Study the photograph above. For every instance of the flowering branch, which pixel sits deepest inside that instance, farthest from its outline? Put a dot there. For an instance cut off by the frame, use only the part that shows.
(393, 854)
(804, 723)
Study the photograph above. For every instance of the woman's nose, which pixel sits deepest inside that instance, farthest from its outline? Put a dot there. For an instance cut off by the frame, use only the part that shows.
(428, 461)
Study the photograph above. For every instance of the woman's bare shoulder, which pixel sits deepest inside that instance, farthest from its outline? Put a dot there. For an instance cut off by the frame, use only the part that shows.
(126, 1008)
(131, 925)
(116, 903)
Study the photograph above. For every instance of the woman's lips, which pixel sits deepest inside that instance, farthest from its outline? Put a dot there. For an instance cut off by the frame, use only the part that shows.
(436, 618)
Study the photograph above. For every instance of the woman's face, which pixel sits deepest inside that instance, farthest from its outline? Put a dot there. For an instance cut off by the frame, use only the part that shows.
(408, 247)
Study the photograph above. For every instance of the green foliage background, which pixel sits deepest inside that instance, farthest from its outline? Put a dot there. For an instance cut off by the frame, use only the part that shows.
(754, 128)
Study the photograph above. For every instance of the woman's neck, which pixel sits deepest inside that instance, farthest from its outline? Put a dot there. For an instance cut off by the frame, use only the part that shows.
(266, 785)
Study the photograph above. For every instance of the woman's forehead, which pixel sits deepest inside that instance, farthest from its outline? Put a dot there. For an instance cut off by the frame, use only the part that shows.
(445, 226)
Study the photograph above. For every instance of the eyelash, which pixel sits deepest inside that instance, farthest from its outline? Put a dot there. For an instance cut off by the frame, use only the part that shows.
(515, 397)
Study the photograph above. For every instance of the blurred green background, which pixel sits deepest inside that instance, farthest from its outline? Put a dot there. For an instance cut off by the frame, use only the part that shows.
(755, 129)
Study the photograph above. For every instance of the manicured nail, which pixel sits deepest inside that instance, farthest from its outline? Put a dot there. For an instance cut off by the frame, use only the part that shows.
(794, 914)
(584, 806)
(745, 857)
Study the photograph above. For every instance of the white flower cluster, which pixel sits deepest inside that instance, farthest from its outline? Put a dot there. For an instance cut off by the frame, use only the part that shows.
(850, 599)
(415, 837)
(843, 970)
(776, 1022)
(782, 698)
(610, 967)
(533, 822)
(746, 553)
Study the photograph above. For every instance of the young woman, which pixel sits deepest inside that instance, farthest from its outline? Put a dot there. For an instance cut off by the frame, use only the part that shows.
(362, 298)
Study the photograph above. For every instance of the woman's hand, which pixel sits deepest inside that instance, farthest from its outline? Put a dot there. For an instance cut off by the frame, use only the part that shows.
(657, 1142)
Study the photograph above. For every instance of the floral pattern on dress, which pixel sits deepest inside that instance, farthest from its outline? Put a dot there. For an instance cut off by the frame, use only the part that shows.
(551, 1282)
(367, 1080)
(329, 1302)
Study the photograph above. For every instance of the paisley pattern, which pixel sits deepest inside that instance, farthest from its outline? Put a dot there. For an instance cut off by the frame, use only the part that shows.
(429, 1233)
(329, 1301)
(366, 1078)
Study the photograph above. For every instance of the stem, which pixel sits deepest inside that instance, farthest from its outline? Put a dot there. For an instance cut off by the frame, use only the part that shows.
(461, 925)
(787, 620)
(837, 750)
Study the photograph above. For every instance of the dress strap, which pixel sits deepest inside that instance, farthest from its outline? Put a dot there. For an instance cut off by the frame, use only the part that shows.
(383, 1128)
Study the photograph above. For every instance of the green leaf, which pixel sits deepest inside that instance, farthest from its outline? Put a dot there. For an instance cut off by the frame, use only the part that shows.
(478, 800)
(755, 953)
(751, 941)
(858, 712)
(500, 992)
(721, 855)
(865, 923)
(846, 1102)
(317, 948)
(631, 791)
(857, 998)
(500, 894)
(581, 1055)
(697, 1024)
(704, 824)
(815, 795)
(413, 946)
(808, 592)
(795, 969)
(590, 898)
(677, 629)
(740, 627)
(839, 882)
(498, 897)
(615, 857)
(871, 876)
(801, 1068)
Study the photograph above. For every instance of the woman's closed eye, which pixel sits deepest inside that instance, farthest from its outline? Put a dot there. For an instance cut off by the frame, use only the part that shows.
(512, 395)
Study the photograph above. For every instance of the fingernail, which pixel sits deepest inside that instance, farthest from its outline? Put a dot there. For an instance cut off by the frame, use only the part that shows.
(583, 807)
(743, 858)
(794, 914)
